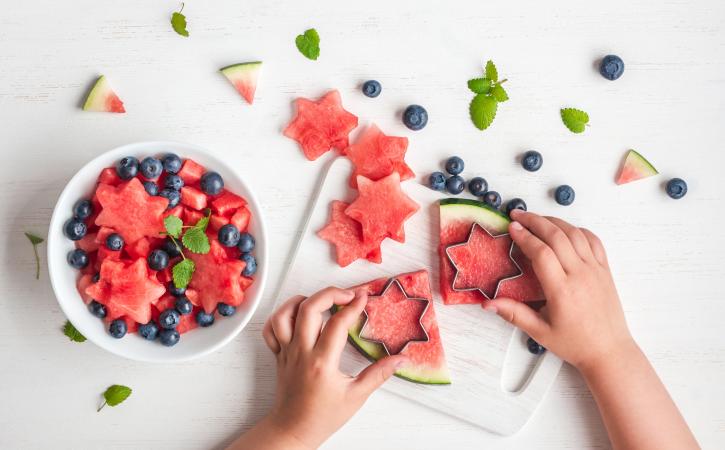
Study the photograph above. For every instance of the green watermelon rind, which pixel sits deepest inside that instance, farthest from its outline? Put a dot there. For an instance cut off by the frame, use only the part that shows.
(474, 211)
(95, 101)
(374, 352)
(637, 163)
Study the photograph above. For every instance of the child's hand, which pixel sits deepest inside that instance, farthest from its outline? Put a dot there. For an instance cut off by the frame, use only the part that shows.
(583, 319)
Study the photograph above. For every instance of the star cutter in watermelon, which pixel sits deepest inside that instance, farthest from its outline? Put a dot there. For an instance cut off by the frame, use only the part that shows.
(391, 282)
(500, 280)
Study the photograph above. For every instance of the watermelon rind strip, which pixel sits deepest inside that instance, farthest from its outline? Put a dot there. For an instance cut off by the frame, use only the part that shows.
(644, 163)
(94, 92)
(241, 67)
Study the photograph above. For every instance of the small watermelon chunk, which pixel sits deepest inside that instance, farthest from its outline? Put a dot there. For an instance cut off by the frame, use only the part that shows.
(109, 176)
(321, 125)
(191, 216)
(102, 98)
(376, 155)
(193, 198)
(241, 219)
(345, 233)
(82, 284)
(216, 222)
(138, 249)
(191, 172)
(89, 243)
(635, 167)
(227, 203)
(217, 277)
(244, 78)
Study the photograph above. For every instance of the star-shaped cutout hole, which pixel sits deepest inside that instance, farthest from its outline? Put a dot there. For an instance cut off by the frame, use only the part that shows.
(376, 155)
(393, 319)
(345, 233)
(321, 125)
(482, 262)
(217, 278)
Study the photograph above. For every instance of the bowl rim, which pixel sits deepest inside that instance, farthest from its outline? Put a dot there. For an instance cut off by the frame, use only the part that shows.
(182, 149)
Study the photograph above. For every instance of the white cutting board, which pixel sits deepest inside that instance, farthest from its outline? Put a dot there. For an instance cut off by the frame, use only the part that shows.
(477, 343)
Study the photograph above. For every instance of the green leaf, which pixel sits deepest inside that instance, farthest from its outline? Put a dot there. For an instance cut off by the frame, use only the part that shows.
(483, 111)
(72, 333)
(499, 93)
(182, 273)
(196, 240)
(115, 395)
(178, 22)
(479, 85)
(491, 72)
(35, 240)
(202, 223)
(173, 225)
(309, 44)
(574, 119)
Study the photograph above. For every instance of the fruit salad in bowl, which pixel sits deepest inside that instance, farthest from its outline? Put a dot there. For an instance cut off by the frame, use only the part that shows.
(157, 252)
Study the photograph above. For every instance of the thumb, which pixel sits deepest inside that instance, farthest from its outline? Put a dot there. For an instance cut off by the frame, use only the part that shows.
(519, 315)
(374, 375)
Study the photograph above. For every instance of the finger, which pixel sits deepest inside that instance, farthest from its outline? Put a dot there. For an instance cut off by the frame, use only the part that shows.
(374, 375)
(334, 335)
(551, 235)
(283, 320)
(309, 317)
(519, 315)
(597, 247)
(269, 338)
(543, 259)
(576, 237)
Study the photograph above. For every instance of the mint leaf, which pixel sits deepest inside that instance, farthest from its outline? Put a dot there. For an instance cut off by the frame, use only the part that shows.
(196, 240)
(491, 72)
(309, 44)
(479, 85)
(499, 93)
(115, 395)
(483, 111)
(72, 333)
(574, 119)
(178, 22)
(202, 223)
(173, 225)
(182, 273)
(35, 240)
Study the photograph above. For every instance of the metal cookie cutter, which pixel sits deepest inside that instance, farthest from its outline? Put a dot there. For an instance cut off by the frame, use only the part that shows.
(395, 282)
(498, 283)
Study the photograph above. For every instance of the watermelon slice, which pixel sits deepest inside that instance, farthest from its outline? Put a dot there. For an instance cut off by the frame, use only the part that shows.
(217, 278)
(427, 359)
(321, 125)
(456, 219)
(376, 155)
(635, 167)
(382, 208)
(102, 98)
(130, 210)
(345, 234)
(244, 78)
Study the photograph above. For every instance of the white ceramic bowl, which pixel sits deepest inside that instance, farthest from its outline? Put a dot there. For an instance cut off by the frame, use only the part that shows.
(193, 344)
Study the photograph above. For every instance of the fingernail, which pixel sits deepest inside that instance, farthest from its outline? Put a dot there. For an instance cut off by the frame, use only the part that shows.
(516, 226)
(490, 307)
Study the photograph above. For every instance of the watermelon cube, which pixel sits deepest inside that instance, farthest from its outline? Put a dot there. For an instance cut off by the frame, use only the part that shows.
(191, 172)
(191, 216)
(83, 282)
(216, 222)
(88, 243)
(193, 198)
(110, 177)
(241, 218)
(227, 203)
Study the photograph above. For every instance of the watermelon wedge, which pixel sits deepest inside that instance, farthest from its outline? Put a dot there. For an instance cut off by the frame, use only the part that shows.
(635, 167)
(244, 78)
(345, 234)
(102, 98)
(427, 359)
(376, 155)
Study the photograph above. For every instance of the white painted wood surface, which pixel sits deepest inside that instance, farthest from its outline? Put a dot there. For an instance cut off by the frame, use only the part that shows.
(666, 255)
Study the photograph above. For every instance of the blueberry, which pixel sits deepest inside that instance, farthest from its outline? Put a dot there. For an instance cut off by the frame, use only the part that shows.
(478, 186)
(158, 259)
(515, 203)
(171, 248)
(169, 338)
(75, 229)
(415, 117)
(183, 305)
(454, 165)
(114, 242)
(532, 160)
(118, 328)
(82, 209)
(250, 262)
(127, 168)
(96, 277)
(148, 331)
(174, 182)
(204, 319)
(371, 88)
(173, 196)
(492, 199)
(151, 187)
(225, 309)
(437, 181)
(176, 291)
(171, 163)
(246, 242)
(151, 167)
(169, 318)
(676, 188)
(228, 235)
(534, 347)
(97, 309)
(211, 183)
(612, 67)
(78, 258)
(564, 195)
(455, 184)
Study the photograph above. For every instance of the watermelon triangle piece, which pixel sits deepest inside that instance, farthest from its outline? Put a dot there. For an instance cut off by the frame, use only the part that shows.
(244, 78)
(345, 234)
(376, 155)
(635, 167)
(102, 98)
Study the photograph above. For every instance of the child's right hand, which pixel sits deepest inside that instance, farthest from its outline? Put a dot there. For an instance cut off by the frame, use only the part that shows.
(583, 320)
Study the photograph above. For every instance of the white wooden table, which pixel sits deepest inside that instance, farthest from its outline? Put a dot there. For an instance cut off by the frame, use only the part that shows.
(667, 255)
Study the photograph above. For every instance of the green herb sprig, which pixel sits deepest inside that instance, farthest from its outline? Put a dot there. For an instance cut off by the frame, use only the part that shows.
(489, 93)
(178, 22)
(193, 238)
(35, 240)
(115, 395)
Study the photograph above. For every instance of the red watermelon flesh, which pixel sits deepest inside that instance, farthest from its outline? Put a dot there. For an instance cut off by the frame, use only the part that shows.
(376, 155)
(191, 172)
(193, 198)
(187, 322)
(130, 210)
(321, 125)
(89, 243)
(345, 234)
(635, 167)
(109, 176)
(526, 287)
(217, 278)
(226, 203)
(83, 282)
(241, 219)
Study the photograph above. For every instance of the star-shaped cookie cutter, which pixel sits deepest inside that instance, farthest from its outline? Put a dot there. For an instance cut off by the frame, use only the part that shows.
(391, 282)
(498, 283)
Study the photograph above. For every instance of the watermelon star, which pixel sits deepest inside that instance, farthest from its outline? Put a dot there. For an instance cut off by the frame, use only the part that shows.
(321, 125)
(217, 278)
(376, 155)
(130, 210)
(493, 262)
(345, 234)
(407, 327)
